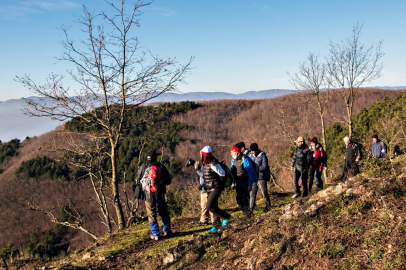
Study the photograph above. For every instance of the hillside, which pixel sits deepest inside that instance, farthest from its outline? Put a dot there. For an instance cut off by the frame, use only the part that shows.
(358, 224)
(219, 124)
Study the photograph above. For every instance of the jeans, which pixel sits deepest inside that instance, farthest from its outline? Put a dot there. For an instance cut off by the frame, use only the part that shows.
(264, 190)
(316, 174)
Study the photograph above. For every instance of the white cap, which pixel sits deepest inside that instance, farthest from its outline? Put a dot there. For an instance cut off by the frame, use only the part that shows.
(346, 139)
(206, 150)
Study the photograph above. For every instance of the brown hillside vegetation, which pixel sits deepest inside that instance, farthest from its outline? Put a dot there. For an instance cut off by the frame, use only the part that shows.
(217, 123)
(16, 192)
(222, 124)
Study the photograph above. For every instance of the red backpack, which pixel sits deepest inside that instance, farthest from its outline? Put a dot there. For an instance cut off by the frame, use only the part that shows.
(153, 173)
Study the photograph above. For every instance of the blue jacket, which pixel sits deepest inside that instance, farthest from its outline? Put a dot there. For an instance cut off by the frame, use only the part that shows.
(378, 149)
(262, 161)
(249, 169)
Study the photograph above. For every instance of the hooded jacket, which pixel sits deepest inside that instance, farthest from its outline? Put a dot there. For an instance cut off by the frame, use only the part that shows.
(319, 157)
(302, 158)
(262, 161)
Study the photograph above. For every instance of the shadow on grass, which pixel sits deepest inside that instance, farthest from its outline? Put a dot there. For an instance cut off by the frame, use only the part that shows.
(281, 194)
(190, 232)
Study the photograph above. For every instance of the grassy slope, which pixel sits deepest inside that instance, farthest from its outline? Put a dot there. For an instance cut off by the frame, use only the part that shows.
(355, 225)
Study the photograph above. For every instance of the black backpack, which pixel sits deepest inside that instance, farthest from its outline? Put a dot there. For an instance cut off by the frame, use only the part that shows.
(228, 179)
(138, 192)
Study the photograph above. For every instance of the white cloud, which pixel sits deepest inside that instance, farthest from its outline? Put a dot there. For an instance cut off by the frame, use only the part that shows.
(20, 9)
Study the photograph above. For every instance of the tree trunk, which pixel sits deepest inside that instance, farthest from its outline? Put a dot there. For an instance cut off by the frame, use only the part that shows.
(114, 185)
(349, 121)
(323, 132)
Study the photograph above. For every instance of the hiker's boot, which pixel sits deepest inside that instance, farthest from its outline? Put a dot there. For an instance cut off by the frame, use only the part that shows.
(225, 221)
(296, 195)
(168, 233)
(214, 230)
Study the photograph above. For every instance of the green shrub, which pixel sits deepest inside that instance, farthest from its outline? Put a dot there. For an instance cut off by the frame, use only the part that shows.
(9, 150)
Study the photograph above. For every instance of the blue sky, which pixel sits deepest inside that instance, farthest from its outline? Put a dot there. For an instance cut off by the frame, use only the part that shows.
(238, 45)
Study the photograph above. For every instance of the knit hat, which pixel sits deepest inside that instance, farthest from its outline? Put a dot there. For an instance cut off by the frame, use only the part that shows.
(299, 139)
(375, 136)
(314, 140)
(235, 148)
(254, 147)
(152, 155)
(206, 151)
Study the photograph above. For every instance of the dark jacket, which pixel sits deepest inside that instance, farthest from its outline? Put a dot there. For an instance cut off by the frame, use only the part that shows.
(165, 176)
(302, 158)
(211, 179)
(378, 149)
(262, 161)
(352, 153)
(243, 170)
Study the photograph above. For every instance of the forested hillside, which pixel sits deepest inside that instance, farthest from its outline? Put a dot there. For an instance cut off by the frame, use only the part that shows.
(183, 129)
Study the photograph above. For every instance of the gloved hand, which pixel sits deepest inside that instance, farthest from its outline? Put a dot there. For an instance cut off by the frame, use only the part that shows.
(200, 187)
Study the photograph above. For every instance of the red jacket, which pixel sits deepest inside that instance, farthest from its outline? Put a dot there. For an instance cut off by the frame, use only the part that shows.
(319, 157)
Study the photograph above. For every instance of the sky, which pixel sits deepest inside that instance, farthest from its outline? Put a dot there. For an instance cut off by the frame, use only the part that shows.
(238, 46)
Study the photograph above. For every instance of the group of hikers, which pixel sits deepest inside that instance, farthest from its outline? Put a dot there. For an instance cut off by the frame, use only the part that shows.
(249, 171)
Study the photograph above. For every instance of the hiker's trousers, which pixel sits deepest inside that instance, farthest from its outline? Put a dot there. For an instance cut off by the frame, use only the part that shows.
(213, 207)
(264, 190)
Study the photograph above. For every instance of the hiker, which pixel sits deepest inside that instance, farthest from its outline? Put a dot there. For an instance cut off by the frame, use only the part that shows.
(397, 151)
(244, 150)
(378, 147)
(154, 177)
(244, 176)
(211, 172)
(319, 161)
(351, 159)
(301, 161)
(259, 157)
(205, 213)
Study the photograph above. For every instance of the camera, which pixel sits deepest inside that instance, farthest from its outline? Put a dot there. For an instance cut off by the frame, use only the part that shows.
(190, 162)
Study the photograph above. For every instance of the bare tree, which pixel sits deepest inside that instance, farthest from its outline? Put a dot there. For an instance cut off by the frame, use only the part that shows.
(309, 82)
(351, 64)
(113, 75)
(285, 131)
(77, 217)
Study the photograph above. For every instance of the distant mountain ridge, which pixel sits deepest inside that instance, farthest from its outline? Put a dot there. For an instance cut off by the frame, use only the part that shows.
(200, 96)
(15, 124)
